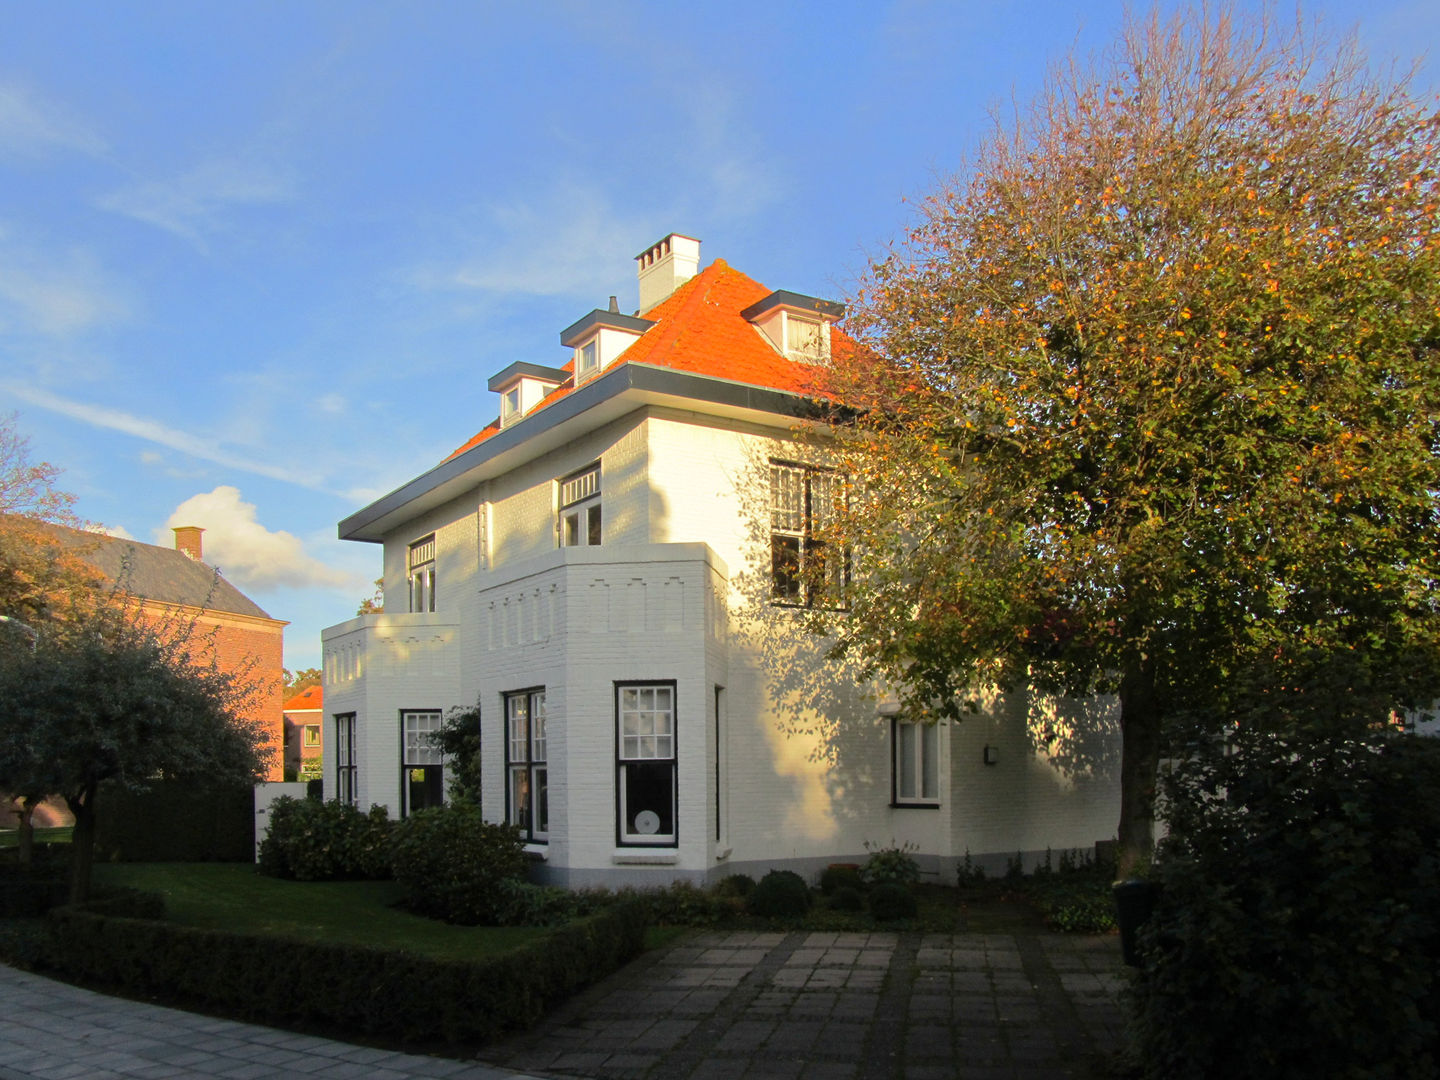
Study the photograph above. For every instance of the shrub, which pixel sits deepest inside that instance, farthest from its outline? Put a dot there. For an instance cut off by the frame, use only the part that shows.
(524, 904)
(780, 894)
(452, 864)
(969, 873)
(683, 904)
(1295, 931)
(892, 865)
(349, 989)
(891, 900)
(333, 841)
(739, 886)
(847, 898)
(840, 875)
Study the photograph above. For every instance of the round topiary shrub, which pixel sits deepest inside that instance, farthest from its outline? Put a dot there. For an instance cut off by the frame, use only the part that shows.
(332, 841)
(840, 875)
(892, 901)
(739, 886)
(781, 894)
(892, 865)
(847, 898)
(1294, 933)
(453, 865)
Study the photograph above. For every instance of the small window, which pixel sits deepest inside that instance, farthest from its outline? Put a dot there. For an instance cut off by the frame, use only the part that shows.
(422, 769)
(345, 769)
(422, 574)
(645, 781)
(312, 735)
(510, 405)
(579, 523)
(915, 772)
(805, 338)
(805, 569)
(527, 797)
(587, 357)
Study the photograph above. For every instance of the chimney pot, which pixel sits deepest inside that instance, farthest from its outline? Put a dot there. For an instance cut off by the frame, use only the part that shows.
(665, 266)
(614, 305)
(187, 540)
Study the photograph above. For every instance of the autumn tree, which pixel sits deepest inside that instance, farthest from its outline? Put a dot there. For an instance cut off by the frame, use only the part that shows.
(300, 679)
(1150, 395)
(125, 700)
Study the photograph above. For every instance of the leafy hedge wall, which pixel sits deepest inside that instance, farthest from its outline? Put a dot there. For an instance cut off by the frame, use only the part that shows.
(175, 821)
(363, 992)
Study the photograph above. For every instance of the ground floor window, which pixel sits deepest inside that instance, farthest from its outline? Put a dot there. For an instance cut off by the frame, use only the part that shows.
(527, 776)
(645, 752)
(345, 758)
(422, 769)
(915, 767)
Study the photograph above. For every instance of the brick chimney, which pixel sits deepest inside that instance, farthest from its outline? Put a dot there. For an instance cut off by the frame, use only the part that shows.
(665, 266)
(187, 539)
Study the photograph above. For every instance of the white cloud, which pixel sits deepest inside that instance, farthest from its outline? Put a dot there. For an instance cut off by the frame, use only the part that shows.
(161, 434)
(331, 403)
(29, 126)
(53, 293)
(194, 204)
(250, 555)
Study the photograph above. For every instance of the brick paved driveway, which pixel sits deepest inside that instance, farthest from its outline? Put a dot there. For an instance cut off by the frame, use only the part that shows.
(828, 1006)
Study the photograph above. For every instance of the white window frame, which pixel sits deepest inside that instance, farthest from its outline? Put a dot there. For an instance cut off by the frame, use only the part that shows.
(420, 573)
(310, 735)
(802, 499)
(510, 405)
(807, 340)
(587, 358)
(915, 763)
(346, 765)
(417, 751)
(579, 523)
(646, 738)
(527, 775)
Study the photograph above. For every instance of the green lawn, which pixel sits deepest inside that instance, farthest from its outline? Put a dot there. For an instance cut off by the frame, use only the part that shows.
(59, 835)
(232, 896)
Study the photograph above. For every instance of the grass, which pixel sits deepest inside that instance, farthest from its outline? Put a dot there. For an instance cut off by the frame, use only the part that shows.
(232, 896)
(59, 834)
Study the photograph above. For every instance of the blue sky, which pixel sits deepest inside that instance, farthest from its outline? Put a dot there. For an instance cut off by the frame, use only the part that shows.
(257, 261)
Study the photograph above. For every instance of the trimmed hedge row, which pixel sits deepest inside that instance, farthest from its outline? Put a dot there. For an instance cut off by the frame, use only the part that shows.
(373, 993)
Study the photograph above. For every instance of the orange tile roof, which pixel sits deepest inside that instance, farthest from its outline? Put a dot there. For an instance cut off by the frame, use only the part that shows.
(309, 698)
(699, 329)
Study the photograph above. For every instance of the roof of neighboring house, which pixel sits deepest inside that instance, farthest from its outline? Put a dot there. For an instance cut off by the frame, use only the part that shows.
(700, 329)
(309, 699)
(156, 573)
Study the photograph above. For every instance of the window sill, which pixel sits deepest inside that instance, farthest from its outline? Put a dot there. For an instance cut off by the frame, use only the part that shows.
(537, 852)
(914, 806)
(645, 858)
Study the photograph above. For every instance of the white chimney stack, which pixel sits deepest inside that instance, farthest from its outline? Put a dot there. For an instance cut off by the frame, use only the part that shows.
(665, 266)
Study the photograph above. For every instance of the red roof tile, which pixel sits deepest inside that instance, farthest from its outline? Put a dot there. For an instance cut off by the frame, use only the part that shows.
(699, 329)
(309, 698)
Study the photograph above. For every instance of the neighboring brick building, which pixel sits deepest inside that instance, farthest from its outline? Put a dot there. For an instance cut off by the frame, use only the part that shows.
(177, 583)
(611, 568)
(304, 734)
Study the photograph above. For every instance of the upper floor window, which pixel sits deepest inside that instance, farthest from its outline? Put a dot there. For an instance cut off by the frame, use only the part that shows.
(580, 508)
(510, 405)
(806, 339)
(805, 569)
(421, 561)
(527, 791)
(587, 357)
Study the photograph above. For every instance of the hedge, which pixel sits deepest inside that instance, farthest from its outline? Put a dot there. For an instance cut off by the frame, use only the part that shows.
(352, 989)
(175, 821)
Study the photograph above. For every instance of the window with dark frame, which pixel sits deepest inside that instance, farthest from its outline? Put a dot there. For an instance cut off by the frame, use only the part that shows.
(421, 563)
(915, 764)
(805, 570)
(527, 775)
(422, 768)
(645, 764)
(579, 522)
(345, 765)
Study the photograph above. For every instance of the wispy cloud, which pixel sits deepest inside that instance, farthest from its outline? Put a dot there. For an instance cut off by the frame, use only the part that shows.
(196, 204)
(163, 435)
(30, 127)
(54, 294)
(248, 553)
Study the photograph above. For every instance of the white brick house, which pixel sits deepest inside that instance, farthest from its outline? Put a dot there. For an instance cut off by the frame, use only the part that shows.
(610, 570)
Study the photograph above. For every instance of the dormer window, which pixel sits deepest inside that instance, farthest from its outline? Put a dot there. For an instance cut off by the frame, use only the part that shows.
(522, 386)
(796, 326)
(599, 338)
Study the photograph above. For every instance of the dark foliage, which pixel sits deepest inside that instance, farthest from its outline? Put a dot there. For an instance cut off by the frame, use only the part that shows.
(891, 901)
(453, 864)
(736, 885)
(780, 894)
(847, 898)
(840, 875)
(176, 821)
(314, 841)
(1296, 931)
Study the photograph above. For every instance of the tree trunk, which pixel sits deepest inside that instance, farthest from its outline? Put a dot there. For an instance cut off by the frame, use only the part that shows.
(25, 835)
(82, 843)
(1139, 765)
